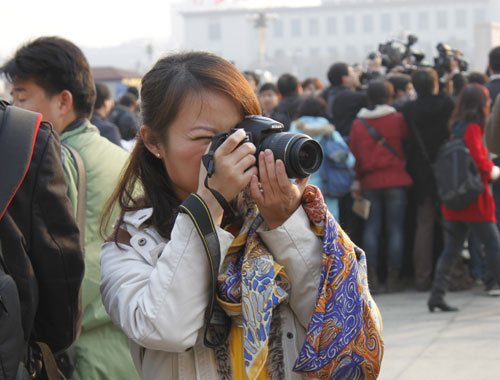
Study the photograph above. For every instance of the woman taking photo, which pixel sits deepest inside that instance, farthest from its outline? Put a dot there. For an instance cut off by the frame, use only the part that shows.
(468, 120)
(155, 275)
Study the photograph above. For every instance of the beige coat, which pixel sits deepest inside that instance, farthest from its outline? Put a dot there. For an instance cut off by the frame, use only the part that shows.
(157, 292)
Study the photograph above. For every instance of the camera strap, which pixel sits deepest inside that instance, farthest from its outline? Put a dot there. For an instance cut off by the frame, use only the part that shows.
(217, 322)
(208, 162)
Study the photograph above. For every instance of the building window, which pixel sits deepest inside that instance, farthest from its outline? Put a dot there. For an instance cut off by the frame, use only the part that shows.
(442, 19)
(367, 23)
(332, 52)
(298, 52)
(404, 20)
(313, 27)
(296, 27)
(423, 20)
(350, 26)
(278, 28)
(351, 53)
(314, 52)
(479, 15)
(460, 18)
(331, 26)
(386, 22)
(214, 31)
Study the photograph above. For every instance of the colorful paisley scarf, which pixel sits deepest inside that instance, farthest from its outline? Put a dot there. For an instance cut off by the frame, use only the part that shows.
(343, 338)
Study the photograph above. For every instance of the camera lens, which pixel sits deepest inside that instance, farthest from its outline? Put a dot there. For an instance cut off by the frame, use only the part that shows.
(301, 155)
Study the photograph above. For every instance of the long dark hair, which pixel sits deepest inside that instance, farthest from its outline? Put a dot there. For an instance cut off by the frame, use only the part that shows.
(471, 106)
(145, 182)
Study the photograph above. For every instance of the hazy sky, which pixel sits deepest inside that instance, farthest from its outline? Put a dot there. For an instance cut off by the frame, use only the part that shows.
(94, 23)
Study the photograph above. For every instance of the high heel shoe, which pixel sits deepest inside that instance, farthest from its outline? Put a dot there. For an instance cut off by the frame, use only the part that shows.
(440, 304)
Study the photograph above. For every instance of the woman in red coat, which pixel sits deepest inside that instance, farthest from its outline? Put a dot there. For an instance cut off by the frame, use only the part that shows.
(380, 169)
(471, 113)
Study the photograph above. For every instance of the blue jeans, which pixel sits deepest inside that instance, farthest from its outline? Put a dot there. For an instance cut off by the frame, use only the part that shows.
(388, 206)
(455, 234)
(476, 263)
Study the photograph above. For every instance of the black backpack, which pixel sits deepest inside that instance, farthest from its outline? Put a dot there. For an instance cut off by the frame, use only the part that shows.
(457, 177)
(12, 351)
(24, 354)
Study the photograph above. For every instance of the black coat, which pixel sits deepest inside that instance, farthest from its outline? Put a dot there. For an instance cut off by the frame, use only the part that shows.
(41, 248)
(494, 88)
(287, 110)
(106, 128)
(343, 104)
(426, 117)
(125, 121)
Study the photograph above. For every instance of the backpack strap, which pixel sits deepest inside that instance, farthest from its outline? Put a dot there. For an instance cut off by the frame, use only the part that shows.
(18, 131)
(379, 138)
(459, 129)
(82, 191)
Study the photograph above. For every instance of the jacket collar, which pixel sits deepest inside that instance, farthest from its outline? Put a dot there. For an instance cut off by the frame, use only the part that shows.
(314, 125)
(137, 218)
(494, 77)
(379, 111)
(76, 127)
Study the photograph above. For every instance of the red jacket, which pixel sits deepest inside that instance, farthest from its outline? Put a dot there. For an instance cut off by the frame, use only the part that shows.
(483, 208)
(376, 167)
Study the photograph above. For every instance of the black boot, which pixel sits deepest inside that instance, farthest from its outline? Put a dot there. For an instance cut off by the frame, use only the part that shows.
(441, 280)
(439, 302)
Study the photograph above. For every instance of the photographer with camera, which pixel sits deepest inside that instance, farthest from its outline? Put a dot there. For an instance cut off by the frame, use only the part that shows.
(450, 67)
(187, 316)
(342, 100)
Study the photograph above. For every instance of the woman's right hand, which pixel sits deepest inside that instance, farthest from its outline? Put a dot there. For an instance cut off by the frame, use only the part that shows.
(234, 167)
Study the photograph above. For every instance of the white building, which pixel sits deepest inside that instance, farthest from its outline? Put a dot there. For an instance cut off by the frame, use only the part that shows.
(306, 40)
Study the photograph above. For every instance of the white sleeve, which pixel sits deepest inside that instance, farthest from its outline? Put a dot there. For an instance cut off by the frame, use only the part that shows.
(160, 305)
(295, 246)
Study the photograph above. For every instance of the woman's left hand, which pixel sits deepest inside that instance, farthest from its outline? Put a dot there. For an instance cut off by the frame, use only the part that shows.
(278, 197)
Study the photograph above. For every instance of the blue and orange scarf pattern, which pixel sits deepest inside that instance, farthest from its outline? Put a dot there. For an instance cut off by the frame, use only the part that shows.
(343, 338)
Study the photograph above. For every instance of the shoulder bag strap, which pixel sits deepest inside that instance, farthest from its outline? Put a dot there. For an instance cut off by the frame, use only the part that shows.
(217, 323)
(18, 131)
(49, 362)
(379, 138)
(82, 192)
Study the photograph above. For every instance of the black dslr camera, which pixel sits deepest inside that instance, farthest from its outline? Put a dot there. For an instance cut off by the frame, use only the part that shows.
(300, 154)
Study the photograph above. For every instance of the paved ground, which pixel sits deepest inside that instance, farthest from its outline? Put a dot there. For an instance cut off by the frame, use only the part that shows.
(440, 346)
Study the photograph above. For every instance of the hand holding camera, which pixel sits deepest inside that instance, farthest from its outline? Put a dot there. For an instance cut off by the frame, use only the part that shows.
(229, 164)
(235, 166)
(276, 196)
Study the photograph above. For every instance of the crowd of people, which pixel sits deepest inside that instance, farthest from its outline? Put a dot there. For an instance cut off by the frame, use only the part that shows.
(395, 124)
(152, 202)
